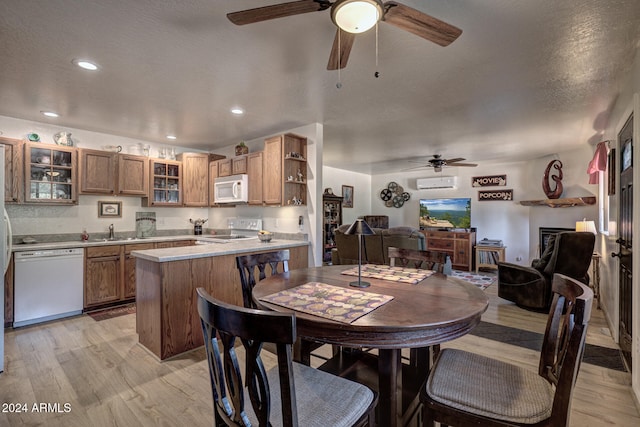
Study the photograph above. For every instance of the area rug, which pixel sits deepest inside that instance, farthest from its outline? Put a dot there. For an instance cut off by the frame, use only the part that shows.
(483, 281)
(109, 313)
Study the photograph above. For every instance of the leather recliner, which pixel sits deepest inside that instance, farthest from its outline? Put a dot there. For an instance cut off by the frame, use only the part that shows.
(568, 253)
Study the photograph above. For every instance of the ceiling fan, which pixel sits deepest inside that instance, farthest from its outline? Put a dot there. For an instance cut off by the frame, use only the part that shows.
(353, 17)
(437, 163)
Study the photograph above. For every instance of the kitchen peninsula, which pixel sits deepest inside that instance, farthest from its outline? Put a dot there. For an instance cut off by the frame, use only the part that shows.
(167, 319)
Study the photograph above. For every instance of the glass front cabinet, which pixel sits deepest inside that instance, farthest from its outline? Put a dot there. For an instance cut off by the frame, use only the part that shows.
(166, 179)
(50, 174)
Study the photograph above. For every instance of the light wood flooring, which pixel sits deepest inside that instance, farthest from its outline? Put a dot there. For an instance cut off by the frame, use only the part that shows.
(108, 379)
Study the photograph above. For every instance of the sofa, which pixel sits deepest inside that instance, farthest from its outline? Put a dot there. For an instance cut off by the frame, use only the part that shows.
(375, 248)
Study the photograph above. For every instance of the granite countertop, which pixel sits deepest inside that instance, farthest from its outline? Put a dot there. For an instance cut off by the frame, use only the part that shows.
(211, 248)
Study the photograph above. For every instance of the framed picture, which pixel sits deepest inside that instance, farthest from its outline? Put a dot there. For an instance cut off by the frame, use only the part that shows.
(109, 209)
(347, 196)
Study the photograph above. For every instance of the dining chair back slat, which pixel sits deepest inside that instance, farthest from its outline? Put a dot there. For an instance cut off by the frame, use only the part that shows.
(254, 267)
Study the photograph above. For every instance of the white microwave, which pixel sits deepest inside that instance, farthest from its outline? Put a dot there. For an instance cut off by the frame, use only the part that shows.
(231, 189)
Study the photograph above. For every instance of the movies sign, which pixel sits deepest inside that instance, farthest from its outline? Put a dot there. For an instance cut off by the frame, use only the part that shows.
(489, 181)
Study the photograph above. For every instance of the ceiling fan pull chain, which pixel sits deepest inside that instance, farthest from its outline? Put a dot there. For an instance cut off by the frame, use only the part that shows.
(376, 74)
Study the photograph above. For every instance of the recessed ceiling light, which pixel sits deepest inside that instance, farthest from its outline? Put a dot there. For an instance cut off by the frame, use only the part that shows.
(171, 137)
(237, 111)
(50, 113)
(86, 64)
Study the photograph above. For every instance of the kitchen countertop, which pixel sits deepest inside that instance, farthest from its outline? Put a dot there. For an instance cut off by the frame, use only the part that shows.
(214, 249)
(97, 242)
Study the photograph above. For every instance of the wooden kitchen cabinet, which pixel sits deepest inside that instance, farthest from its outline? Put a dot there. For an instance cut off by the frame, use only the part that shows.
(285, 170)
(213, 174)
(13, 164)
(255, 173)
(195, 178)
(129, 290)
(103, 281)
(174, 244)
(457, 244)
(106, 172)
(224, 167)
(133, 175)
(97, 171)
(239, 165)
(50, 174)
(165, 182)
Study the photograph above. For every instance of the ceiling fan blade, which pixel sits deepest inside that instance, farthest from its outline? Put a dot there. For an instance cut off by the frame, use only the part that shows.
(342, 44)
(462, 164)
(417, 167)
(281, 10)
(457, 159)
(420, 24)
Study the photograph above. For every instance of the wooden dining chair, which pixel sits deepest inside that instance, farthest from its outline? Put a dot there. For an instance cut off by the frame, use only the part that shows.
(430, 260)
(465, 388)
(289, 394)
(253, 268)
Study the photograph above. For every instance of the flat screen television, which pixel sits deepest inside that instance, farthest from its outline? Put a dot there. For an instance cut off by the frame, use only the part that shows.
(445, 213)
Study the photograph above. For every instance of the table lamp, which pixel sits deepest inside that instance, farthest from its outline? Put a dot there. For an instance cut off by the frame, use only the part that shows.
(585, 225)
(360, 228)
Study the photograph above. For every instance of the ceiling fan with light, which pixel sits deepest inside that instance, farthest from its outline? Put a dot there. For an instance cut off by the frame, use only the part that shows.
(437, 163)
(353, 17)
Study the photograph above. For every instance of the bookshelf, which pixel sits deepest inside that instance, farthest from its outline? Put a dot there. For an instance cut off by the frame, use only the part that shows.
(489, 256)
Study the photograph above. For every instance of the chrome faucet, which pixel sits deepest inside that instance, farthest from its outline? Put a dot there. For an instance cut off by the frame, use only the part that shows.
(111, 234)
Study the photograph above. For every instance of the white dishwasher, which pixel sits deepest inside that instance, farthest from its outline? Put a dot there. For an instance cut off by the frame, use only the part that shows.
(48, 285)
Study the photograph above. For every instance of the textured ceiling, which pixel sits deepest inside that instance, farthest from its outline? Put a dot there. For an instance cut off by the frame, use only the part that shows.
(525, 78)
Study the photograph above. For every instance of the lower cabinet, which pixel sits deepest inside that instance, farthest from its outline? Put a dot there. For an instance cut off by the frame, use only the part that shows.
(130, 268)
(103, 275)
(110, 274)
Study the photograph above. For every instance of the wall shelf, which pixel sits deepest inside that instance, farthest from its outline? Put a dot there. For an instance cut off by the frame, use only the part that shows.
(561, 203)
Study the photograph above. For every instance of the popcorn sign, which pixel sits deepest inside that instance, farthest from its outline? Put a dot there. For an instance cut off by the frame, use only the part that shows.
(495, 195)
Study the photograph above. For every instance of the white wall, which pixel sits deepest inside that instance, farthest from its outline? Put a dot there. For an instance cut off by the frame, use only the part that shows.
(335, 178)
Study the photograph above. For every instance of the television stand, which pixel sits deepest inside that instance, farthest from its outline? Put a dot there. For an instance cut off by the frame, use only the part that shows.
(457, 244)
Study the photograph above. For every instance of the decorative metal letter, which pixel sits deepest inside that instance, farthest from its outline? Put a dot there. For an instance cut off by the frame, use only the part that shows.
(557, 192)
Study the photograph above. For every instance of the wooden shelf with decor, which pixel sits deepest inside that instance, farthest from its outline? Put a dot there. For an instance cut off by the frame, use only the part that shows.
(561, 203)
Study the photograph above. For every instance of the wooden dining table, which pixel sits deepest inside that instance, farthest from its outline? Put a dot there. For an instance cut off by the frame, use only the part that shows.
(435, 310)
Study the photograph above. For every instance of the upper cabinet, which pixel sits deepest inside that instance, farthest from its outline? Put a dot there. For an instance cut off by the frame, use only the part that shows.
(255, 173)
(239, 165)
(50, 174)
(285, 171)
(13, 164)
(97, 171)
(105, 172)
(133, 175)
(195, 182)
(166, 183)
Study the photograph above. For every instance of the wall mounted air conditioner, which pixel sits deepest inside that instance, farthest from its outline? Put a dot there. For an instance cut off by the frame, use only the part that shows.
(437, 182)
